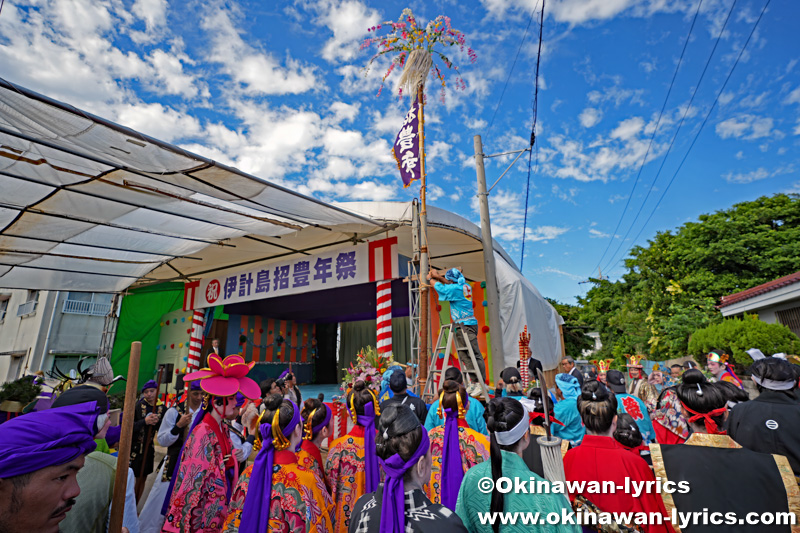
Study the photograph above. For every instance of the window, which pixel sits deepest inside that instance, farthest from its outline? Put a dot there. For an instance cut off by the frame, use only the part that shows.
(3, 309)
(29, 307)
(791, 319)
(66, 363)
(87, 303)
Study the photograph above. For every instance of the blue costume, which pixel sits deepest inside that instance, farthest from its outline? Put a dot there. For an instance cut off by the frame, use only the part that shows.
(567, 410)
(474, 416)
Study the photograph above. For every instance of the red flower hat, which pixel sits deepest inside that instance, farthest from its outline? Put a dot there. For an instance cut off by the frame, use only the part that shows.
(226, 377)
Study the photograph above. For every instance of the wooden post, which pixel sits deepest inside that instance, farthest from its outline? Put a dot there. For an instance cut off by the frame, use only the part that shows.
(124, 449)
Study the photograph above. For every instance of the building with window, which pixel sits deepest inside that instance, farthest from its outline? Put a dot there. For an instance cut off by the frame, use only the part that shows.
(40, 330)
(777, 301)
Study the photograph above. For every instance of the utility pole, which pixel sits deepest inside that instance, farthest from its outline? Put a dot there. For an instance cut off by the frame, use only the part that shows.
(492, 295)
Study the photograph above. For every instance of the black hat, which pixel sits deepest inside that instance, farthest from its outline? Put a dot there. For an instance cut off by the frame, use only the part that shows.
(616, 381)
(509, 373)
(83, 394)
(397, 381)
(454, 374)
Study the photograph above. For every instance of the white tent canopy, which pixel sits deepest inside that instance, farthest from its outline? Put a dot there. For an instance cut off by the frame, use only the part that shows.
(88, 205)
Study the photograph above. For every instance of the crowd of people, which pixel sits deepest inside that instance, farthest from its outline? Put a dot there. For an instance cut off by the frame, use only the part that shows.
(248, 458)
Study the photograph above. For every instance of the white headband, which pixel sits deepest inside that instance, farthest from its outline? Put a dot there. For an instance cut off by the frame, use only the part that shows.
(512, 436)
(772, 384)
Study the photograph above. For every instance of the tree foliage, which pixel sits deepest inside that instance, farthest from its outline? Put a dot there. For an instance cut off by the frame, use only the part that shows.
(672, 285)
(734, 336)
(575, 338)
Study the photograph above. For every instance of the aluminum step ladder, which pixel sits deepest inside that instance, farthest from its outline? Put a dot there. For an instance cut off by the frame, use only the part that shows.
(444, 344)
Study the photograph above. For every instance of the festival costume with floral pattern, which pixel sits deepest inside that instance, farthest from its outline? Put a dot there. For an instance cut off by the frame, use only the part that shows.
(300, 502)
(639, 387)
(207, 473)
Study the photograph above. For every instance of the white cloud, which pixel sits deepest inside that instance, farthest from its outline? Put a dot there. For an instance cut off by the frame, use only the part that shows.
(170, 77)
(344, 112)
(545, 233)
(793, 97)
(154, 15)
(597, 234)
(756, 175)
(476, 124)
(257, 72)
(552, 270)
(628, 128)
(739, 155)
(349, 22)
(158, 121)
(590, 117)
(747, 127)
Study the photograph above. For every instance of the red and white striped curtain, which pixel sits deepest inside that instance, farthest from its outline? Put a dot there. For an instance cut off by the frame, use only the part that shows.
(196, 340)
(384, 319)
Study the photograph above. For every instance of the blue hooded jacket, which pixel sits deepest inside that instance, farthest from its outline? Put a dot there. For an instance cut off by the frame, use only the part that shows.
(567, 410)
(459, 294)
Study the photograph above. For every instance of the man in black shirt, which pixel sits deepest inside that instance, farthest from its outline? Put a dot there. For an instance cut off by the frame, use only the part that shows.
(398, 385)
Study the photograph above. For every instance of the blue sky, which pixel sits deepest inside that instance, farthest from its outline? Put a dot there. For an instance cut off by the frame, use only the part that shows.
(277, 89)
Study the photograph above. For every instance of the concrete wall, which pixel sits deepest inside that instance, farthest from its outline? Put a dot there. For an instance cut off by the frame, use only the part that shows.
(27, 336)
(23, 335)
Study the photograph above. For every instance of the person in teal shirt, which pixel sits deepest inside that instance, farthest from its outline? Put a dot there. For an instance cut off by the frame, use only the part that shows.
(507, 421)
(566, 410)
(475, 410)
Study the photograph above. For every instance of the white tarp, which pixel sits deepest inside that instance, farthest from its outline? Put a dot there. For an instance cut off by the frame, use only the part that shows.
(88, 205)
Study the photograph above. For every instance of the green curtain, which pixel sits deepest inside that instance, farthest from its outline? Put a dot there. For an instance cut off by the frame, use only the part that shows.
(139, 320)
(362, 333)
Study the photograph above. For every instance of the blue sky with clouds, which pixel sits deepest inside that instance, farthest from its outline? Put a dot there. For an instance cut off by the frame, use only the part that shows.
(277, 89)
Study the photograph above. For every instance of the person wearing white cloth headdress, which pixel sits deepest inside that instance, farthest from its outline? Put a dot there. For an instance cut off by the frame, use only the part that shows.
(509, 428)
(771, 422)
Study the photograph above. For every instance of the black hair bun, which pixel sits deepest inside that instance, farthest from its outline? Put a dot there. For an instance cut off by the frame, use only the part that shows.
(359, 385)
(693, 377)
(273, 402)
(594, 391)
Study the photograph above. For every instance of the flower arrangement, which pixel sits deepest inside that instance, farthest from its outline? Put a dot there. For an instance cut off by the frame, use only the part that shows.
(415, 46)
(369, 367)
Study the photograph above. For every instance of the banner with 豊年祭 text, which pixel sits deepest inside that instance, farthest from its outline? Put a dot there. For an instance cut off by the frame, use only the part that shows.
(406, 148)
(352, 265)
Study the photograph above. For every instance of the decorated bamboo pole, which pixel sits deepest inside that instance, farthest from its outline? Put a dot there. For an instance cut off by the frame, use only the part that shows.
(423, 250)
(413, 47)
(124, 449)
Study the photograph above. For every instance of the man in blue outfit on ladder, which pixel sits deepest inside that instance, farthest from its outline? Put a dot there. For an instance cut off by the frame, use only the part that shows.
(452, 287)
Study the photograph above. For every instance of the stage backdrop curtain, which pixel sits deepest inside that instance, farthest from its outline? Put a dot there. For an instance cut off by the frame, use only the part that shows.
(360, 334)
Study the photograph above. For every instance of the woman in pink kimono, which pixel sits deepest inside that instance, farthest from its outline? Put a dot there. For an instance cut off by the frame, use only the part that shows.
(197, 501)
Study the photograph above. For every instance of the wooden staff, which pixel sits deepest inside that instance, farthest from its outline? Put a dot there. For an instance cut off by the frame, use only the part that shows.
(149, 440)
(124, 448)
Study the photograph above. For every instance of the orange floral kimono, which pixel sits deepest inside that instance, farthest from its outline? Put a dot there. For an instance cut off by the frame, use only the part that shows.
(474, 450)
(345, 470)
(300, 503)
(310, 457)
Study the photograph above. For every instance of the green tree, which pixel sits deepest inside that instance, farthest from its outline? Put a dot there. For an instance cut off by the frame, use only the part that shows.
(736, 335)
(672, 285)
(575, 338)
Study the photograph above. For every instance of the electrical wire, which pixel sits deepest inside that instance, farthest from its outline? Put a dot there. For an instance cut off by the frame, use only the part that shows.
(675, 136)
(533, 138)
(652, 137)
(510, 72)
(705, 120)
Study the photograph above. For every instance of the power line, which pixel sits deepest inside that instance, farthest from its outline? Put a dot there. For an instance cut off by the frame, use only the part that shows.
(533, 137)
(705, 120)
(652, 137)
(510, 72)
(675, 136)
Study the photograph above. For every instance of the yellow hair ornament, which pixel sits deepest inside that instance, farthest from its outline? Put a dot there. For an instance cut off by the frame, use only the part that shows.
(279, 440)
(308, 431)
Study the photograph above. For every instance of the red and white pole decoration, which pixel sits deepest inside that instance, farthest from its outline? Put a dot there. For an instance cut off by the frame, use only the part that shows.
(384, 318)
(196, 340)
(524, 355)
